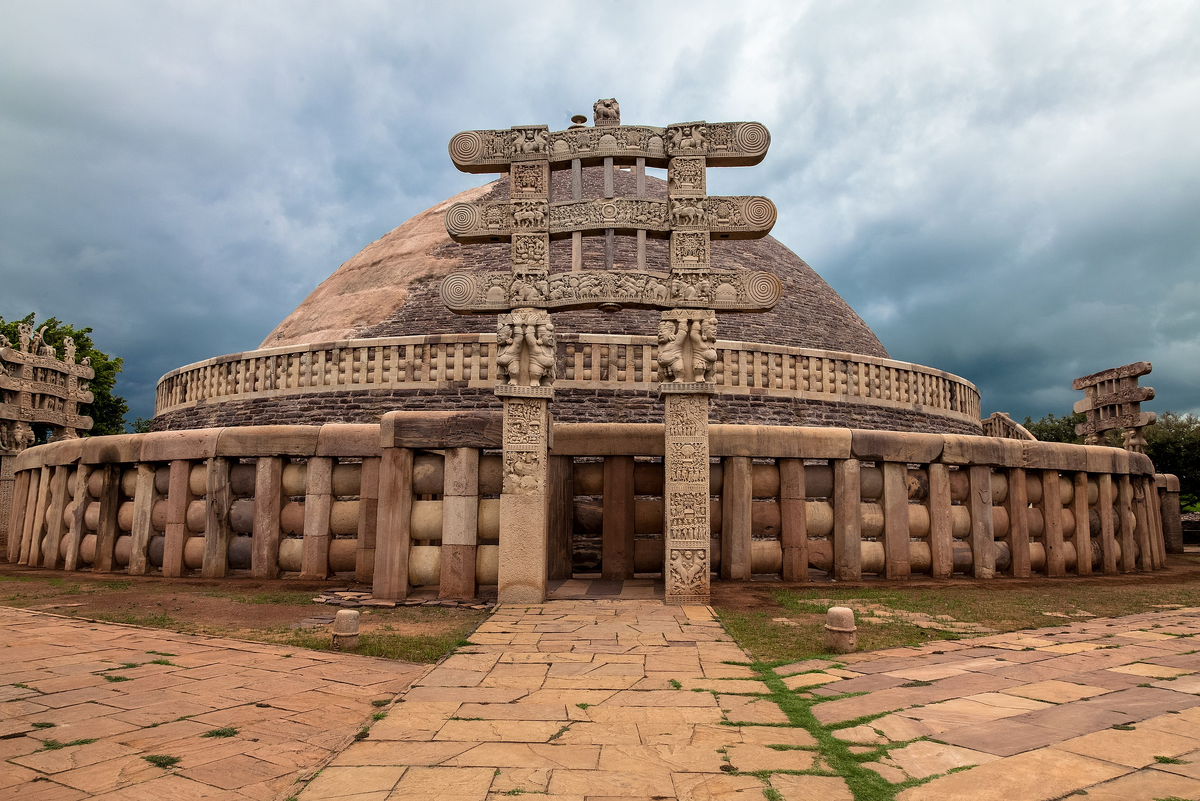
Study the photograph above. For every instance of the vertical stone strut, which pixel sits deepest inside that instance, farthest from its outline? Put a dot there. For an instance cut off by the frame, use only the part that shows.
(686, 355)
(685, 494)
(524, 497)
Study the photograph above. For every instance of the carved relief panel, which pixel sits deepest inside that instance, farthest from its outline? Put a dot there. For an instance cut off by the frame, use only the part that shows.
(526, 435)
(686, 498)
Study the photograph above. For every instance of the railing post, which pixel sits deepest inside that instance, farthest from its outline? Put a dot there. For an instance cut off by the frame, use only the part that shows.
(1125, 510)
(179, 496)
(1052, 524)
(34, 517)
(318, 503)
(17, 521)
(393, 536)
(983, 539)
(1083, 525)
(1017, 505)
(106, 533)
(268, 503)
(794, 519)
(847, 520)
(1142, 523)
(78, 511)
(941, 523)
(54, 525)
(368, 519)
(736, 526)
(1104, 508)
(1169, 512)
(460, 523)
(218, 497)
(895, 520)
(144, 497)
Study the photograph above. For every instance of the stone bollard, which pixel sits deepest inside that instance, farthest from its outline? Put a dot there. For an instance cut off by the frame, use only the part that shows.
(841, 635)
(345, 630)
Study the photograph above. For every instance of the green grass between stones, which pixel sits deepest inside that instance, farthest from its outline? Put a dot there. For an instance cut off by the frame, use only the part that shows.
(833, 756)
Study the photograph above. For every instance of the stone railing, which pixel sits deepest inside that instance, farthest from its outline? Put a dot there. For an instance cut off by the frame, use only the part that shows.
(586, 361)
(414, 502)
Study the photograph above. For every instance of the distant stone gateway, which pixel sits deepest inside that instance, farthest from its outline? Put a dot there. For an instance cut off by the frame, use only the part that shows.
(598, 426)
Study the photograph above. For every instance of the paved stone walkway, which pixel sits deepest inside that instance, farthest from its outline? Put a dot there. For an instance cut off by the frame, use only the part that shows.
(112, 695)
(632, 699)
(608, 699)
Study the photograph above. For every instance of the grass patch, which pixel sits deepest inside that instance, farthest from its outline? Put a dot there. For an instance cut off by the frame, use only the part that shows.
(114, 679)
(41, 724)
(163, 662)
(380, 702)
(155, 620)
(1014, 609)
(1166, 760)
(765, 639)
(277, 598)
(55, 745)
(162, 760)
(161, 653)
(379, 716)
(228, 731)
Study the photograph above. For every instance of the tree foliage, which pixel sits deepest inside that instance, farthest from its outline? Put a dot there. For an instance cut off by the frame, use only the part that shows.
(107, 409)
(1056, 429)
(1173, 444)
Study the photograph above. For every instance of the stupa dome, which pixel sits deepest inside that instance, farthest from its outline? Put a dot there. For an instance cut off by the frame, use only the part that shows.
(391, 287)
(376, 336)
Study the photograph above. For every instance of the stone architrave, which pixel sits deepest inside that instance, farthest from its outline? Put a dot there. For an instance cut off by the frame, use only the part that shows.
(687, 352)
(524, 497)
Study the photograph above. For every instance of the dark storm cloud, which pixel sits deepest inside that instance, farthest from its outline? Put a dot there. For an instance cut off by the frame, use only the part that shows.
(1008, 192)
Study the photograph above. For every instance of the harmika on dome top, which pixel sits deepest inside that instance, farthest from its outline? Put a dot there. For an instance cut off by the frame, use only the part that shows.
(375, 337)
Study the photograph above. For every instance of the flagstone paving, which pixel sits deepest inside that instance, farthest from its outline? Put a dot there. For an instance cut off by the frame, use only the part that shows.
(607, 699)
(112, 695)
(596, 699)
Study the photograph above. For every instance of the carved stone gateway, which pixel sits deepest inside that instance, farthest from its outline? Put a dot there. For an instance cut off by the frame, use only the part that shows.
(689, 294)
(1113, 399)
(37, 388)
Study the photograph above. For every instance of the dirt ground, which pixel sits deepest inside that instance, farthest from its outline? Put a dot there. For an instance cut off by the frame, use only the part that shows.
(779, 621)
(271, 611)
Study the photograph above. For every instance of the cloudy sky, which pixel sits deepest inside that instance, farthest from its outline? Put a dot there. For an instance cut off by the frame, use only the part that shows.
(1008, 191)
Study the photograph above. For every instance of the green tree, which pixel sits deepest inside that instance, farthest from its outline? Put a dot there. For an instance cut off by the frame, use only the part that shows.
(1173, 444)
(107, 409)
(1056, 429)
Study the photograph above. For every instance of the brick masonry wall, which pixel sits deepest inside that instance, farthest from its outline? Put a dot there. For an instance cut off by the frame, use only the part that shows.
(569, 406)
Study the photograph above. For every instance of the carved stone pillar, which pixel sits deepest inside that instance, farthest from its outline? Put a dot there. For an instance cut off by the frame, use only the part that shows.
(685, 493)
(526, 369)
(7, 487)
(524, 498)
(687, 351)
